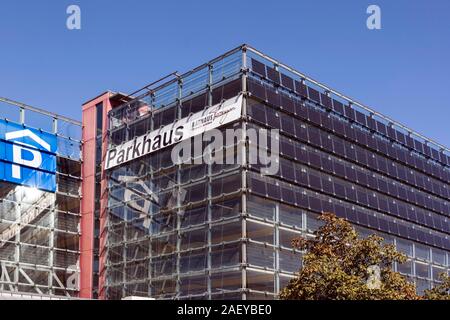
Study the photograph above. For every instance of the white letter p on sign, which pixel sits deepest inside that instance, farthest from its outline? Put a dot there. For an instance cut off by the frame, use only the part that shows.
(35, 162)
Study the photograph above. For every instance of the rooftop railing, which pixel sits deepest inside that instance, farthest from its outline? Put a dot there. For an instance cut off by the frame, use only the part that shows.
(175, 88)
(68, 131)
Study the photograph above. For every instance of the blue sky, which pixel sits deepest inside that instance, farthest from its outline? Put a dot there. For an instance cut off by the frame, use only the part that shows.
(401, 70)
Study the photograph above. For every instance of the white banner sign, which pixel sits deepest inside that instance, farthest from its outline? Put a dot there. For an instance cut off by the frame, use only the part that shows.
(186, 128)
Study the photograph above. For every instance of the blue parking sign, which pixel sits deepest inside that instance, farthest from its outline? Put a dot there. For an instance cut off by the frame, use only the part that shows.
(28, 156)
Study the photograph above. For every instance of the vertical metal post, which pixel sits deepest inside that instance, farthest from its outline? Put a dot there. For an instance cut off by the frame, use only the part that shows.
(178, 211)
(22, 116)
(244, 175)
(17, 247)
(277, 249)
(209, 286)
(52, 245)
(55, 125)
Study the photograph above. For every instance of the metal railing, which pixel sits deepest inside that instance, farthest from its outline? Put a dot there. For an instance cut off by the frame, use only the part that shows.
(350, 101)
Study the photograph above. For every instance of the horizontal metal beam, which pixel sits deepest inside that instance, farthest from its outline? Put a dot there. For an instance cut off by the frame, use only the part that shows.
(41, 111)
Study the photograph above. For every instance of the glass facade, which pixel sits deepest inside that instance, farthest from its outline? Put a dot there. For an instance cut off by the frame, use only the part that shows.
(39, 230)
(223, 231)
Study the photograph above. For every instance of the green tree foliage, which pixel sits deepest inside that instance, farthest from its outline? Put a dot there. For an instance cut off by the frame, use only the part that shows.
(338, 265)
(440, 292)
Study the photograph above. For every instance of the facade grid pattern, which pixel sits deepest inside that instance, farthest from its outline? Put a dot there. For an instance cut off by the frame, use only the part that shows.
(39, 247)
(198, 231)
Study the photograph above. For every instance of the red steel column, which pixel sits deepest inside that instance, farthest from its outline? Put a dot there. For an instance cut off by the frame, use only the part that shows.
(88, 191)
(103, 204)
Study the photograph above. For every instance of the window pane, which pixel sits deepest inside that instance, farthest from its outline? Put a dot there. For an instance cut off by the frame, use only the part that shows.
(260, 207)
(260, 232)
(422, 270)
(422, 252)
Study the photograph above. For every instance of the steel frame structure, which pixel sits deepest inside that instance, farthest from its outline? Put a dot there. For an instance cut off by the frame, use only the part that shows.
(40, 227)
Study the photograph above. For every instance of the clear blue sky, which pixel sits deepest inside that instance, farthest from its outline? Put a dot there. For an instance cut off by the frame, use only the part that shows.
(401, 70)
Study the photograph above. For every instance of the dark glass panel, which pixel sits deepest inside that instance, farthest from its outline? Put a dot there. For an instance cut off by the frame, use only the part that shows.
(339, 169)
(327, 164)
(327, 143)
(412, 234)
(338, 148)
(437, 241)
(273, 98)
(373, 221)
(287, 148)
(393, 227)
(273, 120)
(420, 216)
(418, 146)
(392, 189)
(350, 112)
(226, 91)
(350, 173)
(287, 103)
(287, 124)
(287, 195)
(287, 81)
(402, 230)
(338, 127)
(382, 185)
(435, 154)
(302, 200)
(372, 123)
(361, 156)
(338, 107)
(327, 186)
(381, 128)
(300, 88)
(362, 218)
(315, 182)
(226, 185)
(429, 220)
(315, 204)
(371, 142)
(401, 137)
(373, 201)
(361, 118)
(391, 132)
(350, 152)
(362, 178)
(350, 193)
(410, 142)
(314, 136)
(427, 150)
(301, 131)
(257, 112)
(301, 110)
(287, 170)
(314, 94)
(361, 197)
(382, 146)
(392, 208)
(273, 75)
(314, 116)
(273, 191)
(301, 177)
(326, 101)
(258, 67)
(257, 89)
(350, 132)
(257, 186)
(351, 215)
(384, 225)
(361, 137)
(339, 190)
